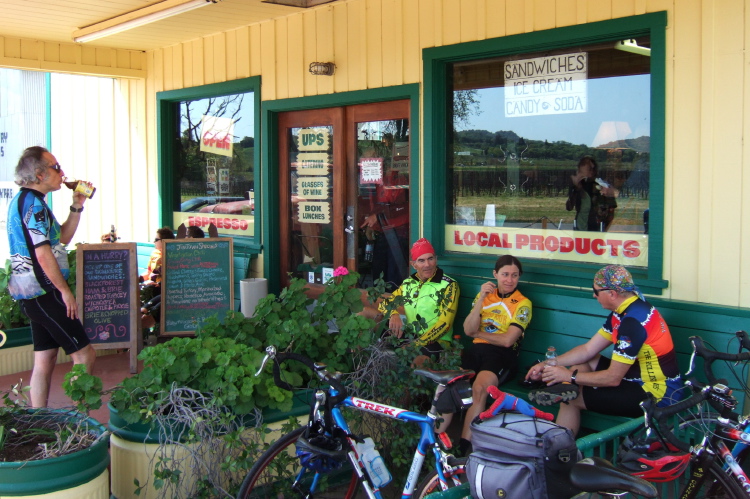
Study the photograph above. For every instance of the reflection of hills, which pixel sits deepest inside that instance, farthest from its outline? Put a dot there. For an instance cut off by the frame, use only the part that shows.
(640, 144)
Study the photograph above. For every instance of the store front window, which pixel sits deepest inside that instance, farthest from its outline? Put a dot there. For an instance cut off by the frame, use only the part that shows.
(209, 156)
(549, 154)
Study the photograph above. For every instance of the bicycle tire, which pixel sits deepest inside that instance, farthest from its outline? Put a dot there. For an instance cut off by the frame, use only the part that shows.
(431, 483)
(263, 478)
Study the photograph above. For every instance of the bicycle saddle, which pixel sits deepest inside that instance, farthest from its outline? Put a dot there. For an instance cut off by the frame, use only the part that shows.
(594, 474)
(444, 377)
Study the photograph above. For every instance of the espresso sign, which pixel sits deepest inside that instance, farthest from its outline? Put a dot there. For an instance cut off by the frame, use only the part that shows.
(197, 282)
(107, 296)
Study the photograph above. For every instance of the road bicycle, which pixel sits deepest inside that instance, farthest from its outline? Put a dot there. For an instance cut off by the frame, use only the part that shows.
(307, 460)
(714, 470)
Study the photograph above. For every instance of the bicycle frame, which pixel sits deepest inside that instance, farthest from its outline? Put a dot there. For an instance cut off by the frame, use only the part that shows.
(426, 440)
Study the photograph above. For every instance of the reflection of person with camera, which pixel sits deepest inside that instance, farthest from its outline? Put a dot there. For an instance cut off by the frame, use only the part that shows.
(593, 199)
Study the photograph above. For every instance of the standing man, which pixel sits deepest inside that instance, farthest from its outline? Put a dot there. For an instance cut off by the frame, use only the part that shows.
(40, 270)
(643, 360)
(425, 291)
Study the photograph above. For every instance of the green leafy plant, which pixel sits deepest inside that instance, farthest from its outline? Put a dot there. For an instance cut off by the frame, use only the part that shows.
(221, 367)
(327, 330)
(10, 310)
(83, 388)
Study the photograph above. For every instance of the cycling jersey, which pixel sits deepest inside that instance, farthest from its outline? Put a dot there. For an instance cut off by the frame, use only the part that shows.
(641, 338)
(501, 312)
(31, 224)
(421, 300)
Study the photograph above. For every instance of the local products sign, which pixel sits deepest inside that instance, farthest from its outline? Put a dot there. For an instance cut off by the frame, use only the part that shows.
(575, 246)
(546, 85)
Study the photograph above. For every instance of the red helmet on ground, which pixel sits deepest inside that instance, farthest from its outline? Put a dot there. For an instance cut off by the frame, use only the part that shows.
(652, 460)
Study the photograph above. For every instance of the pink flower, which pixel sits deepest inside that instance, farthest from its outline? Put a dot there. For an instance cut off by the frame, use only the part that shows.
(340, 271)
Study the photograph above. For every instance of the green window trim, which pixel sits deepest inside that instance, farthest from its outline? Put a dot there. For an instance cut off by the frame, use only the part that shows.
(436, 119)
(167, 103)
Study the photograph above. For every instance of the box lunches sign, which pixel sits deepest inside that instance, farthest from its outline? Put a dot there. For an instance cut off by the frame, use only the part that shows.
(546, 85)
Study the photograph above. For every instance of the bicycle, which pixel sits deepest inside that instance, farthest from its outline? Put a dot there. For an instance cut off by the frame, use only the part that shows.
(336, 445)
(298, 462)
(714, 470)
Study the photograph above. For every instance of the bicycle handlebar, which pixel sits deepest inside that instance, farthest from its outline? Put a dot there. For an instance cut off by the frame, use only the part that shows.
(709, 356)
(319, 369)
(718, 395)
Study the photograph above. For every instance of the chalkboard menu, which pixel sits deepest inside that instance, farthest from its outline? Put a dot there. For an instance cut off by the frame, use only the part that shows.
(107, 296)
(197, 282)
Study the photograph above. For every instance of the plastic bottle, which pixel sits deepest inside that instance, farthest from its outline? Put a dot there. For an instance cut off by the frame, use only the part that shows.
(374, 464)
(368, 250)
(551, 356)
(113, 235)
(80, 186)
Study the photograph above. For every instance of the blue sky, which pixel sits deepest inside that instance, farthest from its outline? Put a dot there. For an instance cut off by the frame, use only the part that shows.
(609, 99)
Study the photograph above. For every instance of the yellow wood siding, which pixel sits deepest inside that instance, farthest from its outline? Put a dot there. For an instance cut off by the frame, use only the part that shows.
(35, 55)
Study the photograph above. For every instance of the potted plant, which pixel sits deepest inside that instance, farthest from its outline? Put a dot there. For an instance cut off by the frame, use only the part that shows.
(44, 451)
(186, 424)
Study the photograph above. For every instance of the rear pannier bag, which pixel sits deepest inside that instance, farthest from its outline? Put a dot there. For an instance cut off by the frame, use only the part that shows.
(520, 457)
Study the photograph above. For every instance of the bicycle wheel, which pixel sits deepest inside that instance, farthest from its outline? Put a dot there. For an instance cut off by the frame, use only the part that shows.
(431, 483)
(719, 485)
(274, 473)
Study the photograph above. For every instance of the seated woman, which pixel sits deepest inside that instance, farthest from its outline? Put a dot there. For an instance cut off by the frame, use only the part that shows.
(499, 316)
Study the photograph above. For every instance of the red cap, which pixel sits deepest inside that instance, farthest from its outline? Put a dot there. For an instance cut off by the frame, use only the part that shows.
(421, 247)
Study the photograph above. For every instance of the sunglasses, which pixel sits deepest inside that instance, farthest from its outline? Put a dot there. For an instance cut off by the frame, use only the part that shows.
(157, 239)
(55, 167)
(596, 291)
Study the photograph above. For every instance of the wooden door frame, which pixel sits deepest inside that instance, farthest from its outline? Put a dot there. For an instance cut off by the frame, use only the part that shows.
(359, 113)
(270, 111)
(333, 116)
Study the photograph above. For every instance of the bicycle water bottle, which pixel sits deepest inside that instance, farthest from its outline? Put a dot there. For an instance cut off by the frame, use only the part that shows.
(551, 357)
(374, 464)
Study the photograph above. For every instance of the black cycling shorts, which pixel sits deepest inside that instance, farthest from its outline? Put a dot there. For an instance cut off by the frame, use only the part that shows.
(50, 325)
(622, 400)
(485, 357)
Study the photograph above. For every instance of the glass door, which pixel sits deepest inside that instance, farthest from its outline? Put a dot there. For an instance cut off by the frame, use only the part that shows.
(344, 192)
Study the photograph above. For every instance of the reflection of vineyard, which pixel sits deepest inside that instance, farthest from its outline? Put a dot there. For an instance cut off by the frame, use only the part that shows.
(528, 209)
(526, 193)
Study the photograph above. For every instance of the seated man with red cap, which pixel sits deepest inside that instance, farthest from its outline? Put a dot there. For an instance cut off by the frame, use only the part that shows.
(424, 291)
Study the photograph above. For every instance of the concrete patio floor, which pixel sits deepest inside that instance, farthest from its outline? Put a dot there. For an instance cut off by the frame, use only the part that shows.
(112, 369)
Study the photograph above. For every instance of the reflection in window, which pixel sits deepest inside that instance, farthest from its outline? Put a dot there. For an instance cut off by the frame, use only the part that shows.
(551, 149)
(215, 163)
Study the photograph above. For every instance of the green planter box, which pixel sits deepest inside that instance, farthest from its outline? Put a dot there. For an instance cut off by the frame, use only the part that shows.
(29, 478)
(17, 337)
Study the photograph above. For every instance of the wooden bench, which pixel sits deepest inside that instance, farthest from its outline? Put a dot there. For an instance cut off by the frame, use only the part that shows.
(565, 318)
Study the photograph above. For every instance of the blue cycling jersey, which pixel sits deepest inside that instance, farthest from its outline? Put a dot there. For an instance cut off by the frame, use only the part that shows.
(31, 224)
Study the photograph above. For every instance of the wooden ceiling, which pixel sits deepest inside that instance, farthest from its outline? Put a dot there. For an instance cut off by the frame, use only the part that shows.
(56, 20)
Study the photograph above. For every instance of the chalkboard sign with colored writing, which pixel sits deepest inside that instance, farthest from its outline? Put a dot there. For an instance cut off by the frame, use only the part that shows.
(197, 282)
(107, 296)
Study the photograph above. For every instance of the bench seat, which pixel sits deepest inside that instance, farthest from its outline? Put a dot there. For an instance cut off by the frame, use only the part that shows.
(564, 318)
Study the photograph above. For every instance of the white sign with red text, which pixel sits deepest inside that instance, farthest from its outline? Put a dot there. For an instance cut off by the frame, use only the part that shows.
(216, 135)
(237, 225)
(573, 246)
